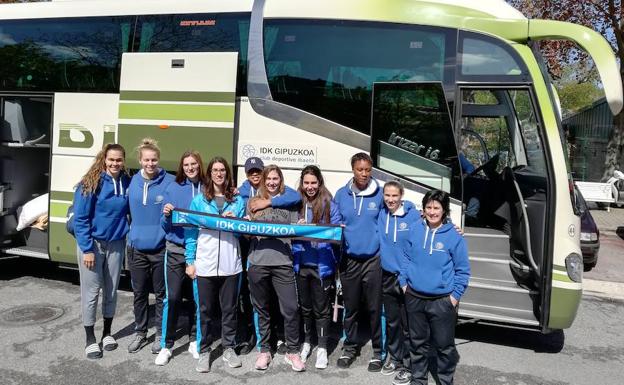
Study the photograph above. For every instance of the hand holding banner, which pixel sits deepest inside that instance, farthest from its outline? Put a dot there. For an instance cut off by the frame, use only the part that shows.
(312, 232)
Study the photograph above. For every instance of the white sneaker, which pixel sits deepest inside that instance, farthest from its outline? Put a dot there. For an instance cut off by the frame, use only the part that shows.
(321, 358)
(163, 357)
(305, 351)
(193, 349)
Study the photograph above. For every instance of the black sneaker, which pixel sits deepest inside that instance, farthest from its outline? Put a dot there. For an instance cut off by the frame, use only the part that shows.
(374, 365)
(137, 343)
(404, 377)
(245, 348)
(345, 361)
(389, 368)
(281, 347)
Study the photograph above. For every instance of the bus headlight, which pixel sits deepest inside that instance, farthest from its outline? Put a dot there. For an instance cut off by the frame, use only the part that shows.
(574, 267)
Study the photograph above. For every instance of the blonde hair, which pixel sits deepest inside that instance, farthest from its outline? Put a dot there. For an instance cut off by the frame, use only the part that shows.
(91, 179)
(148, 144)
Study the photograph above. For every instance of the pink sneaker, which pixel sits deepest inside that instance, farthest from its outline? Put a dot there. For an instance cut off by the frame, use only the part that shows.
(294, 360)
(263, 360)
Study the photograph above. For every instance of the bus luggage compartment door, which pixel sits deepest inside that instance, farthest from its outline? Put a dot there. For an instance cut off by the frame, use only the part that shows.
(183, 100)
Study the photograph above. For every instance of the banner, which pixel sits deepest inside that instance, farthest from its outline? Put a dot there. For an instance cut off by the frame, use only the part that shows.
(326, 233)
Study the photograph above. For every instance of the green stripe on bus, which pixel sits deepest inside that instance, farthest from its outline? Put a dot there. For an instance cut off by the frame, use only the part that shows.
(560, 268)
(561, 278)
(62, 195)
(174, 96)
(58, 209)
(175, 140)
(167, 112)
(564, 304)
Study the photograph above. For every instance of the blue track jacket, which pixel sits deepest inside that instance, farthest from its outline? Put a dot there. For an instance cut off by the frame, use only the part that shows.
(436, 263)
(180, 196)
(319, 254)
(393, 230)
(359, 211)
(146, 200)
(102, 215)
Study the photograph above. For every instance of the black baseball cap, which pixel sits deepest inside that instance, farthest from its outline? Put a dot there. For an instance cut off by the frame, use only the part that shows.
(253, 163)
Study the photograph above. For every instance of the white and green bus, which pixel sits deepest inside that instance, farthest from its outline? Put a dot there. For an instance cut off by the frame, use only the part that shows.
(444, 94)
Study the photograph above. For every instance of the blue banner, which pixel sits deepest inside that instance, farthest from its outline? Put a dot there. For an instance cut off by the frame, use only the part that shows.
(326, 233)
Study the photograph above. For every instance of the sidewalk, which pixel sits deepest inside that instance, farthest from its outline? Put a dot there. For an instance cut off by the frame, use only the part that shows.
(603, 289)
(608, 220)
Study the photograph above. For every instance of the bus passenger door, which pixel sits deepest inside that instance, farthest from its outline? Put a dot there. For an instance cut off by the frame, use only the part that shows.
(505, 194)
(183, 100)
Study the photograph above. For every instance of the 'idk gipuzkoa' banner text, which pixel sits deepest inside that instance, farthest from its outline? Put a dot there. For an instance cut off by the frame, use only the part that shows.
(324, 233)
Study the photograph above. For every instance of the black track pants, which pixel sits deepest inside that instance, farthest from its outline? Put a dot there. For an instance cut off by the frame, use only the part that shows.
(361, 291)
(282, 279)
(214, 292)
(147, 267)
(397, 331)
(315, 296)
(177, 286)
(431, 321)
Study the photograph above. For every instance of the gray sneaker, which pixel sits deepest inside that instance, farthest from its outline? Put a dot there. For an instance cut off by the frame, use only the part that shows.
(156, 345)
(389, 368)
(233, 361)
(404, 377)
(203, 364)
(137, 343)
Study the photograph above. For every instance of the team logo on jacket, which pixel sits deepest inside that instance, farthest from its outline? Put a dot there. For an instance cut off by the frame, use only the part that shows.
(403, 226)
(372, 205)
(439, 246)
(159, 198)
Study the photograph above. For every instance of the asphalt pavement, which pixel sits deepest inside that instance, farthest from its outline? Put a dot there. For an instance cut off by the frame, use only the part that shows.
(43, 342)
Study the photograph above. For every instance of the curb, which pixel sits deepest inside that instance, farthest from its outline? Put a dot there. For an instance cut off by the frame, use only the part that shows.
(603, 289)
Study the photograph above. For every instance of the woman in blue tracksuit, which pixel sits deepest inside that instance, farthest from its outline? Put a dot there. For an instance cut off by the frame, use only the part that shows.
(213, 261)
(434, 275)
(315, 264)
(100, 227)
(359, 203)
(189, 181)
(395, 220)
(147, 241)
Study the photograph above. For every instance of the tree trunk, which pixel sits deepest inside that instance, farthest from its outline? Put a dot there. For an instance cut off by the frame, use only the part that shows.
(614, 147)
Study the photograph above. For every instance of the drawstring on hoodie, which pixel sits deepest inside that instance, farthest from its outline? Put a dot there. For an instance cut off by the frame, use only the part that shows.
(359, 210)
(193, 188)
(305, 215)
(145, 186)
(432, 238)
(395, 225)
(121, 191)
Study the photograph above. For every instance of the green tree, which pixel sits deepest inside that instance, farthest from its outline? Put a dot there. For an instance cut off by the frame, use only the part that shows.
(604, 16)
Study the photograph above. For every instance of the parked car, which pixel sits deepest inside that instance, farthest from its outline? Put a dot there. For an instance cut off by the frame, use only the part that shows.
(590, 235)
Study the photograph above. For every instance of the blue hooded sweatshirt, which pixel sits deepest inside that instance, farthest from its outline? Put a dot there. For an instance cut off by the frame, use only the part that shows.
(180, 196)
(359, 211)
(319, 254)
(436, 263)
(146, 198)
(393, 232)
(102, 215)
(289, 198)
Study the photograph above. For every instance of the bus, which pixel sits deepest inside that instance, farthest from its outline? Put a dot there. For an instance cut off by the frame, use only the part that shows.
(443, 94)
